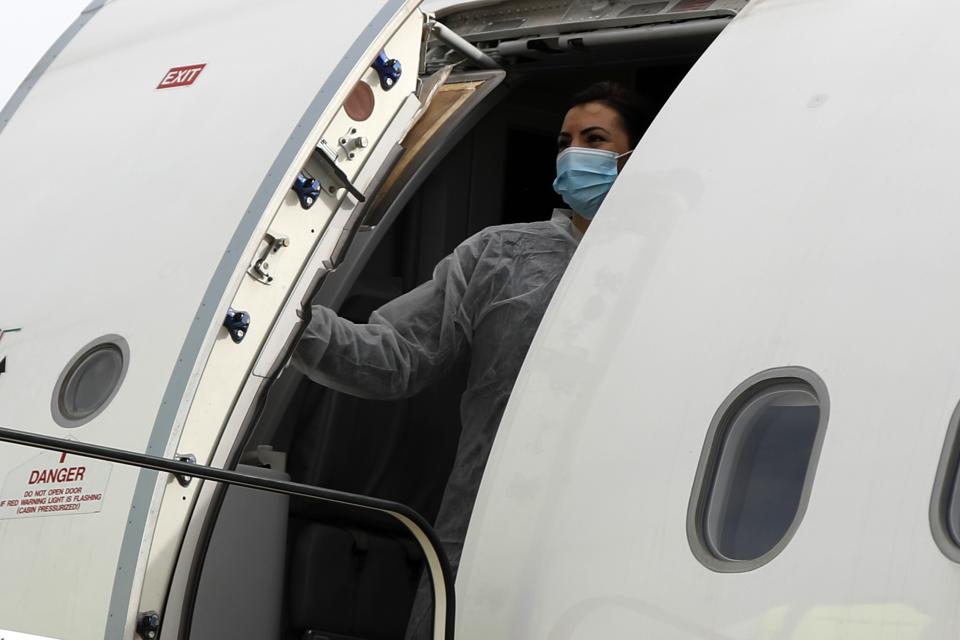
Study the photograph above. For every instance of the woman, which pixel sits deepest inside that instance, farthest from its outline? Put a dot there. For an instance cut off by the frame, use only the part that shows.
(486, 298)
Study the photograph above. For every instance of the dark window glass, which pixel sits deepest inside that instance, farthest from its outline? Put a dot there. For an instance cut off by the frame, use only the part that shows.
(761, 471)
(91, 382)
(953, 507)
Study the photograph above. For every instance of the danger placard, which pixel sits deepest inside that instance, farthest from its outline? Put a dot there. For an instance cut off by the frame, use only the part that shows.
(54, 484)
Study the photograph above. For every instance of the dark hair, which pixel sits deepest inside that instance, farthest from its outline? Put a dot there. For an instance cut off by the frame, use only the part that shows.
(635, 112)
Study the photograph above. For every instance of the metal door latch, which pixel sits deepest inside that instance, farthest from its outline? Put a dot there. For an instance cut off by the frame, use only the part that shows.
(327, 157)
(350, 142)
(237, 324)
(388, 69)
(183, 479)
(260, 269)
(307, 189)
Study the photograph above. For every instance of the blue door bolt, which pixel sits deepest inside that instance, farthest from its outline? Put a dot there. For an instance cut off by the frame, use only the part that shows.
(307, 189)
(388, 69)
(237, 324)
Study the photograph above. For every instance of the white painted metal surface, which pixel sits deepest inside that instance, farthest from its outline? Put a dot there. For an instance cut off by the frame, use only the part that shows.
(121, 209)
(13, 635)
(794, 204)
(228, 368)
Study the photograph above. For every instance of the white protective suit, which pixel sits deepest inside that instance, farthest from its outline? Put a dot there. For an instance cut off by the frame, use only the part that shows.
(487, 297)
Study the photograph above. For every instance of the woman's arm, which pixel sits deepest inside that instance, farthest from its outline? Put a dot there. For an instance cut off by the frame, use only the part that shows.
(406, 345)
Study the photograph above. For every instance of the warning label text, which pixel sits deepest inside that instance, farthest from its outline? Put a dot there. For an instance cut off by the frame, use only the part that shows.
(54, 484)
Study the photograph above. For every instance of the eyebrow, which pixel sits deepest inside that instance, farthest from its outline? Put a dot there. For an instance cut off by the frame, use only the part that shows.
(594, 128)
(563, 134)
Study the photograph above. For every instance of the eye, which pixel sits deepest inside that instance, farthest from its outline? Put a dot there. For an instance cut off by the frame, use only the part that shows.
(562, 144)
(596, 138)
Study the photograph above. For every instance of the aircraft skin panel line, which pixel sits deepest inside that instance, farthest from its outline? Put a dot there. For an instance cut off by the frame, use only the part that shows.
(45, 61)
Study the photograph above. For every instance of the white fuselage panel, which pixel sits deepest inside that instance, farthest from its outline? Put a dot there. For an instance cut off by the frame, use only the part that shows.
(794, 204)
(125, 209)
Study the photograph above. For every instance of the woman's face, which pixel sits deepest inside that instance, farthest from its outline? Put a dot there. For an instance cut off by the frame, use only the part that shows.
(594, 125)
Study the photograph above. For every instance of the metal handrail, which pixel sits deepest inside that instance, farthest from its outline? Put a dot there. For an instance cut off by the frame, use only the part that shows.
(444, 595)
(453, 40)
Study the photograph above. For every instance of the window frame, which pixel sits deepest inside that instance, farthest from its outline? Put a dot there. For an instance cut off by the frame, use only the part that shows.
(948, 470)
(716, 438)
(57, 410)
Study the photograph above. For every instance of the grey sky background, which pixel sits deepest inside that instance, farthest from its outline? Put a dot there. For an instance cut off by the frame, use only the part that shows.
(29, 27)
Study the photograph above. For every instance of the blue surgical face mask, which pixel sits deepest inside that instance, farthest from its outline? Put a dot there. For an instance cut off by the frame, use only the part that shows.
(584, 177)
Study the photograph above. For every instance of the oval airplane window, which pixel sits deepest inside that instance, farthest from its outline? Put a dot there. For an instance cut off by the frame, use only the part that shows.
(945, 501)
(90, 381)
(756, 469)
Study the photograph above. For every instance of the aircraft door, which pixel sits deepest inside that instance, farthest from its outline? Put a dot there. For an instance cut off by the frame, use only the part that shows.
(180, 130)
(300, 244)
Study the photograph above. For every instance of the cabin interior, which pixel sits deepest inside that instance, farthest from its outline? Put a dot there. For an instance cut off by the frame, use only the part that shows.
(322, 572)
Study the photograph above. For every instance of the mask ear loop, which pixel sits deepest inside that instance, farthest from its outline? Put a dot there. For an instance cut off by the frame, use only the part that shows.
(622, 155)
